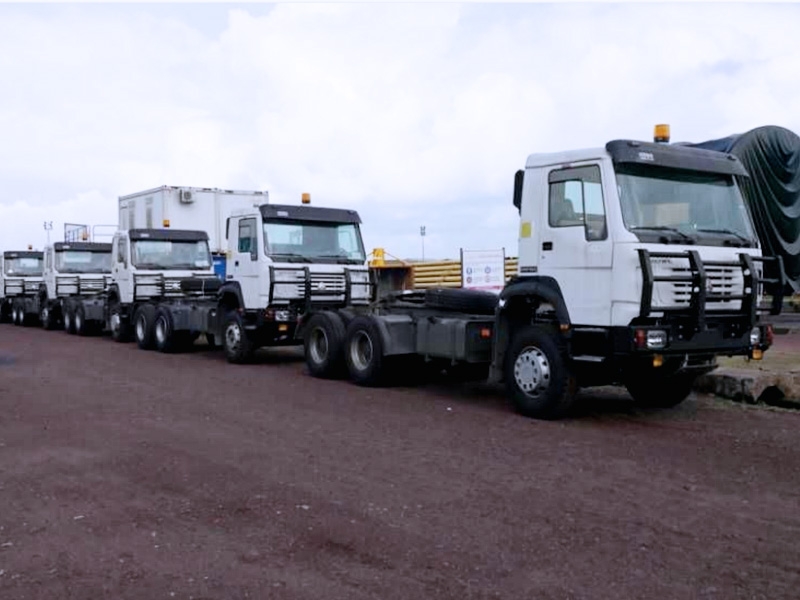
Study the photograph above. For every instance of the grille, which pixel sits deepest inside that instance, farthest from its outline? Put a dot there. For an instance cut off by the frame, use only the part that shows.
(720, 281)
(14, 287)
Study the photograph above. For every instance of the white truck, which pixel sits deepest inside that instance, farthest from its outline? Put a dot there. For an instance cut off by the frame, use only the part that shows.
(638, 265)
(281, 262)
(20, 278)
(72, 293)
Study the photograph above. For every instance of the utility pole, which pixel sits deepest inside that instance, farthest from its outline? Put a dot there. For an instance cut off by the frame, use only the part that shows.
(48, 225)
(422, 237)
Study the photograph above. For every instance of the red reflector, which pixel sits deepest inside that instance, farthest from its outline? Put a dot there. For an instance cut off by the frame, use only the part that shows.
(486, 332)
(641, 338)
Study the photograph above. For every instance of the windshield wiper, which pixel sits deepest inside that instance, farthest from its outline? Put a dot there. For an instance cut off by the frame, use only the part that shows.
(744, 240)
(688, 238)
(337, 257)
(291, 255)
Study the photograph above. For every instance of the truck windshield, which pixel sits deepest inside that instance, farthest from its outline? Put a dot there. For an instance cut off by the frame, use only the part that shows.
(170, 254)
(24, 267)
(314, 241)
(77, 261)
(683, 206)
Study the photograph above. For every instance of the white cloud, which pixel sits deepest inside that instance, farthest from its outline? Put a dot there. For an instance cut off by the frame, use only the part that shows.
(412, 114)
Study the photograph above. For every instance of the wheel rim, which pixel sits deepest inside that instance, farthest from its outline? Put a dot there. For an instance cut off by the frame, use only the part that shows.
(532, 371)
(78, 321)
(67, 321)
(161, 331)
(361, 351)
(233, 337)
(318, 345)
(115, 322)
(140, 328)
(45, 314)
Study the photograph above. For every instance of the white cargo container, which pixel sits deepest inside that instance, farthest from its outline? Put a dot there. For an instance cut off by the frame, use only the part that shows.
(177, 207)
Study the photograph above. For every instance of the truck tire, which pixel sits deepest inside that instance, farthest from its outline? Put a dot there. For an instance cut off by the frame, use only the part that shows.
(79, 320)
(323, 345)
(235, 341)
(120, 329)
(46, 317)
(165, 338)
(69, 317)
(654, 390)
(467, 301)
(143, 321)
(538, 380)
(363, 352)
(18, 314)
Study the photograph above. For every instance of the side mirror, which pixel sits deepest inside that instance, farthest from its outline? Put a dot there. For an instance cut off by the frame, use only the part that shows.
(519, 177)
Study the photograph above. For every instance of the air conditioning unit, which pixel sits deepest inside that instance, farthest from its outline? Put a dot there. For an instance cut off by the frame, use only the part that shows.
(186, 197)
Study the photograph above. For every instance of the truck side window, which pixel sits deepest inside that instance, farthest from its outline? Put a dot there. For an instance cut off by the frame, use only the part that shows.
(575, 199)
(121, 254)
(247, 238)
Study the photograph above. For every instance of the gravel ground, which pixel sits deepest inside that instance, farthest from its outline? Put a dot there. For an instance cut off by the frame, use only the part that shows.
(130, 474)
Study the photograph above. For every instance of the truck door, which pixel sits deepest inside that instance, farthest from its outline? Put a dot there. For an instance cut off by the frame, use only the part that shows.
(576, 248)
(245, 260)
(121, 272)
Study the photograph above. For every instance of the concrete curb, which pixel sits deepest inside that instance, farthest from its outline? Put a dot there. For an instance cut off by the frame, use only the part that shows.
(753, 386)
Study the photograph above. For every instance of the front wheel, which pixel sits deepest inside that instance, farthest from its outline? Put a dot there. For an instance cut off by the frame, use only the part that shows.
(654, 390)
(236, 343)
(538, 380)
(46, 316)
(120, 328)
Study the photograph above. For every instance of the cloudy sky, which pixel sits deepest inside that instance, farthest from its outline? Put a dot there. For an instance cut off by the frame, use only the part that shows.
(413, 114)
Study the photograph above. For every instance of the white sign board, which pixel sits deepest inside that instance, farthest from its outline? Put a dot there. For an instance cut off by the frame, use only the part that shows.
(483, 269)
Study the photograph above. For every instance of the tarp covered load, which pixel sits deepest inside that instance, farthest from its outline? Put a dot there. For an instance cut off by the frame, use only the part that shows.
(771, 156)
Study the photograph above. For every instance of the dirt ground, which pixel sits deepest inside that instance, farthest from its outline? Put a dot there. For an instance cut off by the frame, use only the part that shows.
(131, 474)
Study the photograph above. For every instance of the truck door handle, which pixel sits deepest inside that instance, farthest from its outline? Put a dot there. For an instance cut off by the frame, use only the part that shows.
(547, 245)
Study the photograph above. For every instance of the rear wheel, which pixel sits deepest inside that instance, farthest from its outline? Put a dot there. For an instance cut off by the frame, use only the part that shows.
(324, 345)
(238, 346)
(165, 338)
(143, 321)
(363, 352)
(538, 380)
(81, 326)
(18, 315)
(69, 317)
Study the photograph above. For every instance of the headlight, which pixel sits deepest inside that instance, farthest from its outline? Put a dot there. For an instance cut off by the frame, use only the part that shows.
(652, 339)
(755, 336)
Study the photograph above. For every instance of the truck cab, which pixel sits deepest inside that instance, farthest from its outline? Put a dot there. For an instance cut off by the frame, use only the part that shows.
(641, 263)
(72, 270)
(149, 266)
(20, 279)
(285, 262)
